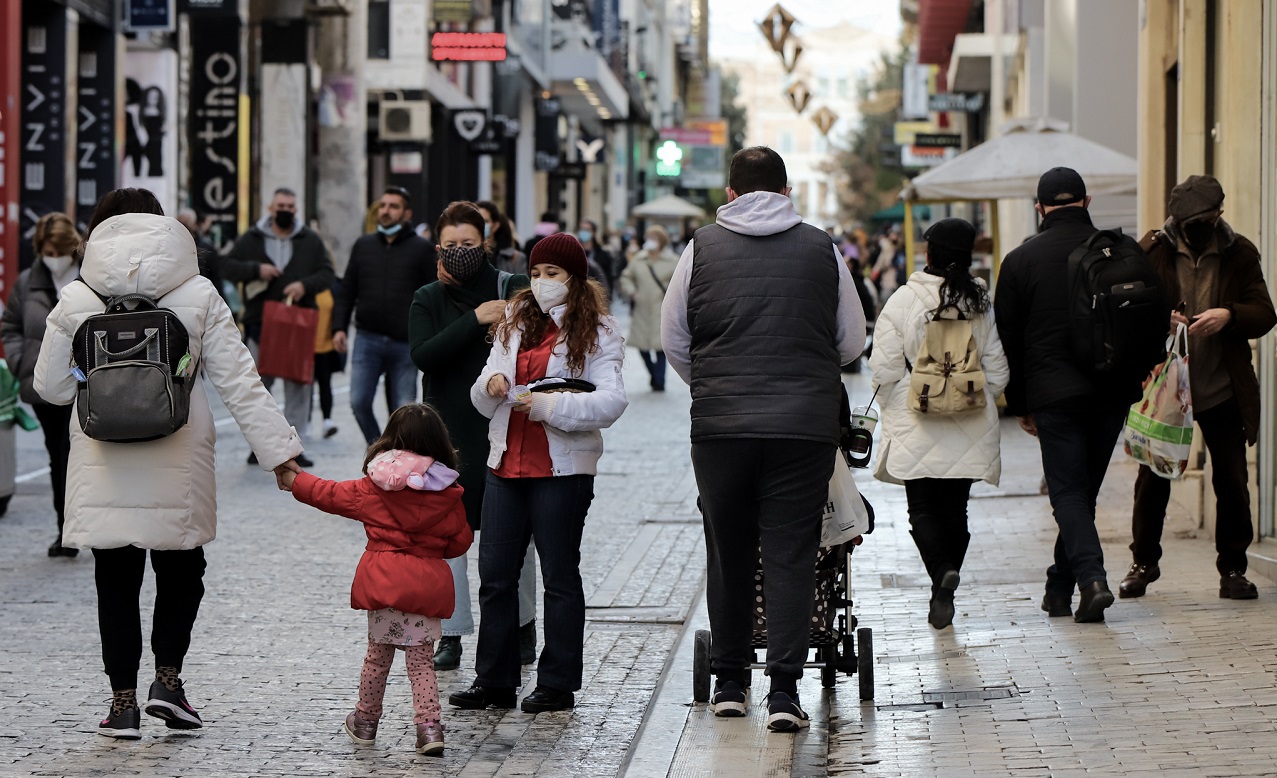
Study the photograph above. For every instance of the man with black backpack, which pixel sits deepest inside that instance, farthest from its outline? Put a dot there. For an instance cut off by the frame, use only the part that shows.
(1074, 374)
(1216, 284)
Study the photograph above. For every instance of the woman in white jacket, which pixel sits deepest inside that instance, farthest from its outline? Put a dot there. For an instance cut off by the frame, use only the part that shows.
(938, 457)
(124, 499)
(545, 446)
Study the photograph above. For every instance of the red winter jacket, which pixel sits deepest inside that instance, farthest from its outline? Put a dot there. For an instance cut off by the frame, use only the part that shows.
(410, 533)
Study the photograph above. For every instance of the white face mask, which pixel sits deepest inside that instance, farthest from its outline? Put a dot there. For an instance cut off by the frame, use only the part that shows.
(549, 293)
(651, 245)
(58, 265)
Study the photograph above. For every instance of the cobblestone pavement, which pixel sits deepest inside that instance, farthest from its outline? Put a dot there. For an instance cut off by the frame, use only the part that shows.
(1176, 683)
(276, 654)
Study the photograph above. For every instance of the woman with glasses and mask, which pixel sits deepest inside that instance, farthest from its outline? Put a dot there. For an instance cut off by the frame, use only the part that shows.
(39, 287)
(448, 334)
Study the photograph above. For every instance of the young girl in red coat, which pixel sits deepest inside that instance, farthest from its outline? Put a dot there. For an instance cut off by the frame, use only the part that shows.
(410, 506)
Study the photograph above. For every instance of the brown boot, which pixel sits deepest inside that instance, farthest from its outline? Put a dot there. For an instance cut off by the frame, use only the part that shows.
(430, 738)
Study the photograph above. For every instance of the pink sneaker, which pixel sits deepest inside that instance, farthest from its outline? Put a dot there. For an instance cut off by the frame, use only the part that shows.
(430, 738)
(360, 730)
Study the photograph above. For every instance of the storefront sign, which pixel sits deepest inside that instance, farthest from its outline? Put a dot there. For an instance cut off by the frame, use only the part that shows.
(150, 122)
(96, 165)
(687, 137)
(43, 151)
(208, 6)
(149, 15)
(548, 111)
(214, 125)
(938, 140)
(960, 102)
(467, 47)
(460, 11)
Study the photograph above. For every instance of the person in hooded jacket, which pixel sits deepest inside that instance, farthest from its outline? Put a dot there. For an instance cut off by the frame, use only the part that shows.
(57, 246)
(643, 283)
(125, 500)
(448, 328)
(938, 457)
(760, 315)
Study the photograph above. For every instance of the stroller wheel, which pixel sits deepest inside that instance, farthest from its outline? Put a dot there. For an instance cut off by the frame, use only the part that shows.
(700, 666)
(865, 662)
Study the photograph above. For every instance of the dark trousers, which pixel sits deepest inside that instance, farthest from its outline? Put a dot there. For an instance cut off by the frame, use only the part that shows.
(773, 491)
(654, 361)
(55, 421)
(326, 365)
(551, 512)
(938, 516)
(179, 587)
(1225, 439)
(1076, 449)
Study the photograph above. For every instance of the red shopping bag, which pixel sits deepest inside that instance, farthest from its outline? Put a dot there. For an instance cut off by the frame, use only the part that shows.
(287, 347)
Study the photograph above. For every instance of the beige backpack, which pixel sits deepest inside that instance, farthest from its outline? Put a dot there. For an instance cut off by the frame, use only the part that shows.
(946, 376)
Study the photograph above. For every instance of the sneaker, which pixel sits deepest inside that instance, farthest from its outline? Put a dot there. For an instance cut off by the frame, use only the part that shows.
(172, 707)
(528, 643)
(448, 655)
(360, 730)
(125, 725)
(784, 714)
(330, 428)
(728, 699)
(1235, 586)
(303, 460)
(430, 738)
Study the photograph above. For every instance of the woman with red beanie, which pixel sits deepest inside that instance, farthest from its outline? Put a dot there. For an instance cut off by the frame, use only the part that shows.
(551, 384)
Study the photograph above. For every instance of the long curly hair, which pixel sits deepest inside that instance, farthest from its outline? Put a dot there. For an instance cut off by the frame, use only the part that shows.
(586, 307)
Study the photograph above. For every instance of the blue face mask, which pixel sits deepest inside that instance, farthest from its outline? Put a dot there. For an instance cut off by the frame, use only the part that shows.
(389, 230)
(585, 236)
(487, 230)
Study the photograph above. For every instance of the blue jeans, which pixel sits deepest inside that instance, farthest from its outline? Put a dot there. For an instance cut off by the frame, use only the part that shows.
(551, 512)
(1076, 449)
(654, 361)
(462, 620)
(376, 355)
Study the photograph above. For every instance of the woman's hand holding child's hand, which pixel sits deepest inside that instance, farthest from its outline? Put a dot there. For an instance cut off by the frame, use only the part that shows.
(286, 473)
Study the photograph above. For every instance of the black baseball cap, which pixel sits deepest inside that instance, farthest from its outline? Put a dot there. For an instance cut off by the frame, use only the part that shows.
(1060, 186)
(954, 234)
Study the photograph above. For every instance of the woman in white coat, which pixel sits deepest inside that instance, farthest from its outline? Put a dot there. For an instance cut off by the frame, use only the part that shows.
(644, 282)
(544, 452)
(124, 499)
(938, 457)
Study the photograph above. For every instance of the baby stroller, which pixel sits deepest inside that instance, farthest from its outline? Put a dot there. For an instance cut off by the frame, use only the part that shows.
(839, 645)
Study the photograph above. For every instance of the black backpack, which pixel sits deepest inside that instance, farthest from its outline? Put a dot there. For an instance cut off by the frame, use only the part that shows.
(134, 370)
(1119, 314)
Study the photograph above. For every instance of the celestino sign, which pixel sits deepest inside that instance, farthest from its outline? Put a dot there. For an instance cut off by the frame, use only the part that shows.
(468, 47)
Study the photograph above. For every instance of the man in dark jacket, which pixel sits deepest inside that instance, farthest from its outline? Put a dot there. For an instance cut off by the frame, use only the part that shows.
(280, 258)
(759, 316)
(1214, 279)
(1076, 418)
(386, 269)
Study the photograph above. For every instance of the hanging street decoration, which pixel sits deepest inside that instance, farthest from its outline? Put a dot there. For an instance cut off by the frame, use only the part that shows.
(825, 120)
(799, 96)
(776, 27)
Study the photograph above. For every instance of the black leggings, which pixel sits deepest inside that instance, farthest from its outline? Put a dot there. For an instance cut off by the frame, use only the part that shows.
(326, 364)
(938, 515)
(179, 587)
(55, 421)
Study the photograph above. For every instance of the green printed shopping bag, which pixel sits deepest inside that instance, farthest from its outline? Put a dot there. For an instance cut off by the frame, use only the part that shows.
(1159, 428)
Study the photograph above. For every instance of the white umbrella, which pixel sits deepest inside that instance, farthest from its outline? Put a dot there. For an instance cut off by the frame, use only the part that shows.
(669, 206)
(1009, 166)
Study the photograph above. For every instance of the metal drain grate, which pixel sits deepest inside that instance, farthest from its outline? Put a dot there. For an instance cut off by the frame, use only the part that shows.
(983, 693)
(910, 707)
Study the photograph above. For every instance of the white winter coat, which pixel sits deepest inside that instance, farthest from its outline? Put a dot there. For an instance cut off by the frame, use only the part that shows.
(572, 420)
(916, 445)
(160, 494)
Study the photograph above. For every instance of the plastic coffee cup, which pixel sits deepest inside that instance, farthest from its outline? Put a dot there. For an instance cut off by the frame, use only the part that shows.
(863, 421)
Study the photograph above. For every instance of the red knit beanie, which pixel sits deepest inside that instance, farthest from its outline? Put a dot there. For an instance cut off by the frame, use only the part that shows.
(562, 249)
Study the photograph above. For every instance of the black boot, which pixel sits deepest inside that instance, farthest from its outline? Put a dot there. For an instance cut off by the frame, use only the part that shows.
(1095, 598)
(448, 655)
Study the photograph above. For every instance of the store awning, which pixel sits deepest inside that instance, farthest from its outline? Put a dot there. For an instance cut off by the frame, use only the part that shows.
(670, 207)
(585, 84)
(971, 65)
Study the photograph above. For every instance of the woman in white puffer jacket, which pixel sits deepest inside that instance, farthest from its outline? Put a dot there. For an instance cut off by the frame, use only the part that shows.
(545, 448)
(938, 457)
(124, 499)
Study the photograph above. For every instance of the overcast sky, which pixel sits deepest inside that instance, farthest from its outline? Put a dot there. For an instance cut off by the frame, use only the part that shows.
(734, 23)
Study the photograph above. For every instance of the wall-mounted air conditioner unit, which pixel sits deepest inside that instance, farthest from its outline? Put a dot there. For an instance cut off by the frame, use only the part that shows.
(405, 120)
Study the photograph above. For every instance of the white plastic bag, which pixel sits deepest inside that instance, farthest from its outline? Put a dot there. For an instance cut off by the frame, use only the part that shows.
(1159, 428)
(845, 513)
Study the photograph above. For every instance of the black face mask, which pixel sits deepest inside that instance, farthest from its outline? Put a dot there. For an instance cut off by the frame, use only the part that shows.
(463, 263)
(285, 219)
(1198, 234)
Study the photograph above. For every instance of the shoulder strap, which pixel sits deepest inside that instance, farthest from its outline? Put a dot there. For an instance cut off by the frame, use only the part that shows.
(655, 277)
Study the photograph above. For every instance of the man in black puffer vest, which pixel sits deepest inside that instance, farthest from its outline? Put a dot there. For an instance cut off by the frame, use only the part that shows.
(759, 317)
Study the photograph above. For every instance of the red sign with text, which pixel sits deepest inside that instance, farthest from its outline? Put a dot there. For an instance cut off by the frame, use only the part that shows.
(467, 47)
